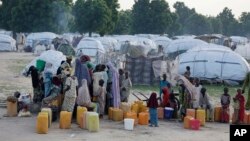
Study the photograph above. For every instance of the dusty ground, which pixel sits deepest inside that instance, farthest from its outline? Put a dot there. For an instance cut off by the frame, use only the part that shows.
(23, 129)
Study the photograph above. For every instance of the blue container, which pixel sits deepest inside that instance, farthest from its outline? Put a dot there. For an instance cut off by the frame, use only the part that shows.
(168, 112)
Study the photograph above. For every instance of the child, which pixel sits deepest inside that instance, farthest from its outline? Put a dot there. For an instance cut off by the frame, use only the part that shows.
(166, 93)
(225, 102)
(101, 97)
(239, 108)
(153, 104)
(205, 103)
(173, 104)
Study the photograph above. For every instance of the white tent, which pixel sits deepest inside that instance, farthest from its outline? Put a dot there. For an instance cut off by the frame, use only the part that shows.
(7, 43)
(179, 46)
(110, 44)
(214, 63)
(162, 40)
(243, 50)
(41, 36)
(91, 47)
(239, 40)
(51, 56)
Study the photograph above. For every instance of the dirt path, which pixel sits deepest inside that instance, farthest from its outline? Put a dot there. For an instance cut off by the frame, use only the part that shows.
(23, 129)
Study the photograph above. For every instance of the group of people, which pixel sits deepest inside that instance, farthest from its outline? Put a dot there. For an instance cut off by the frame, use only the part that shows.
(81, 84)
(192, 95)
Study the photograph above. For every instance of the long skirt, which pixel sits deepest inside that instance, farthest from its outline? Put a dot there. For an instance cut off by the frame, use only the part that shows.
(225, 114)
(153, 116)
(68, 104)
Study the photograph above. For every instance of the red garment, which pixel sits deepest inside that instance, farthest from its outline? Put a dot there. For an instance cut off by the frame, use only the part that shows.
(225, 114)
(152, 102)
(241, 100)
(166, 95)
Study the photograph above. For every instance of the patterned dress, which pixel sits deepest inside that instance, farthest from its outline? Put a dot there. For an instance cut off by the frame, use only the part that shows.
(70, 95)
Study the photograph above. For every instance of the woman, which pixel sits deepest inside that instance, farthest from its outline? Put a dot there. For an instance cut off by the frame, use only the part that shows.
(70, 92)
(35, 83)
(115, 89)
(153, 104)
(163, 83)
(125, 87)
(239, 109)
(47, 78)
(81, 72)
(83, 98)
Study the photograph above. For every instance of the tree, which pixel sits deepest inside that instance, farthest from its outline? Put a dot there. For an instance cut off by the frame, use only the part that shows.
(113, 5)
(5, 13)
(40, 16)
(124, 23)
(151, 17)
(245, 22)
(175, 26)
(228, 21)
(183, 13)
(91, 16)
(216, 25)
(197, 24)
(141, 17)
(160, 17)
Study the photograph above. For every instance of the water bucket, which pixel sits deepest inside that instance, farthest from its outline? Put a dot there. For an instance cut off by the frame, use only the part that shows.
(168, 112)
(129, 124)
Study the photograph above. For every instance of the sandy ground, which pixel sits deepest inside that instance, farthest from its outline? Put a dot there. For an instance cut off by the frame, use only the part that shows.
(23, 129)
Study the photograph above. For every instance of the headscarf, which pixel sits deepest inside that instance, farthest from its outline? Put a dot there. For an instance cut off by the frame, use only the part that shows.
(152, 102)
(83, 98)
(115, 85)
(48, 67)
(81, 72)
(34, 76)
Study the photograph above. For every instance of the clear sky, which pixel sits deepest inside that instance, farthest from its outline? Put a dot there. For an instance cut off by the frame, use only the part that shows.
(205, 7)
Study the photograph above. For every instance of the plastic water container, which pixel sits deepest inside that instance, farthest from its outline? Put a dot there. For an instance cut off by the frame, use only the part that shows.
(129, 124)
(195, 124)
(190, 112)
(168, 112)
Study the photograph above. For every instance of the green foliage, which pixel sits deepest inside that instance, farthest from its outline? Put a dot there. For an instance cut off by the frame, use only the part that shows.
(91, 15)
(5, 13)
(141, 17)
(183, 13)
(124, 23)
(245, 23)
(228, 21)
(197, 24)
(151, 17)
(113, 5)
(216, 25)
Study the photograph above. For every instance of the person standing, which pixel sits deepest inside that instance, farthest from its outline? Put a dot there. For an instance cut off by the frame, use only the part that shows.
(239, 107)
(153, 104)
(196, 96)
(204, 103)
(115, 89)
(187, 73)
(70, 92)
(47, 78)
(125, 88)
(247, 84)
(37, 97)
(163, 83)
(225, 102)
(101, 97)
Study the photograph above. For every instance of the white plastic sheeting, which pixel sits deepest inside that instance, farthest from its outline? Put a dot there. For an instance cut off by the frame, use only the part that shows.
(51, 56)
(183, 45)
(93, 48)
(239, 39)
(110, 44)
(243, 50)
(41, 36)
(214, 63)
(7, 43)
(162, 40)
